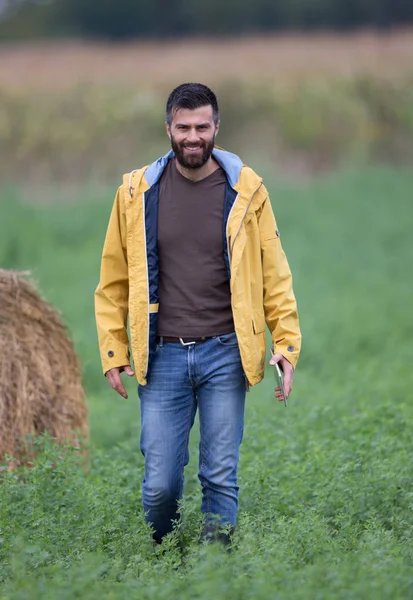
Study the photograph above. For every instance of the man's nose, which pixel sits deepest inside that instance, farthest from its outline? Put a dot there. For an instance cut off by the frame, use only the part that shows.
(193, 136)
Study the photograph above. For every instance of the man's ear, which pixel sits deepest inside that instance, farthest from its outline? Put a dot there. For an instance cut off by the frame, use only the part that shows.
(168, 129)
(217, 128)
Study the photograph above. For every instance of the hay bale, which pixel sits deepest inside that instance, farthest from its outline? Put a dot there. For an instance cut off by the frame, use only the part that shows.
(40, 382)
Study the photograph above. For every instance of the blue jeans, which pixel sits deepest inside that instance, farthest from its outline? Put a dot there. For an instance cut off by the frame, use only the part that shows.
(207, 375)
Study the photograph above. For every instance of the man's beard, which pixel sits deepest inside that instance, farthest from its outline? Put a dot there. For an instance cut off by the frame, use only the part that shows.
(193, 161)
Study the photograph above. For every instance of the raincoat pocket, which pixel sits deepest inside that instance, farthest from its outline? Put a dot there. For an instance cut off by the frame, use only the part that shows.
(258, 322)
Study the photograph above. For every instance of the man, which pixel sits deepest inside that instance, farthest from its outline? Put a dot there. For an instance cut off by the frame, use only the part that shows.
(193, 258)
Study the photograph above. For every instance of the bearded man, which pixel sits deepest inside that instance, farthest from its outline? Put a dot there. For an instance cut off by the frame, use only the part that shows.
(193, 259)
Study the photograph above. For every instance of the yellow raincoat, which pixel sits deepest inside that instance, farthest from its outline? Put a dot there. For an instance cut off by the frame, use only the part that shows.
(260, 278)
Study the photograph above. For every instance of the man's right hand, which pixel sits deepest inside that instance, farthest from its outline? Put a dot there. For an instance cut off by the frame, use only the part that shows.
(115, 382)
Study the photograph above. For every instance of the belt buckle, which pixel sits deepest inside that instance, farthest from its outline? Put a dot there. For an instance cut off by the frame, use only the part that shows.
(186, 343)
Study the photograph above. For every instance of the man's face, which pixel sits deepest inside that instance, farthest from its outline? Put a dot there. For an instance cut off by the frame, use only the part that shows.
(192, 134)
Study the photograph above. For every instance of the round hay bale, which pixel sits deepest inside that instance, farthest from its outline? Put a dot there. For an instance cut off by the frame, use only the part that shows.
(40, 381)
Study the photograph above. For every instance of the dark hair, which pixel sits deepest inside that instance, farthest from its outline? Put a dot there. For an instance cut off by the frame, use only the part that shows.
(191, 95)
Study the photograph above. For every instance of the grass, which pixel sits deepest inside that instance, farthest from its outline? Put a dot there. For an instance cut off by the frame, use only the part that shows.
(326, 484)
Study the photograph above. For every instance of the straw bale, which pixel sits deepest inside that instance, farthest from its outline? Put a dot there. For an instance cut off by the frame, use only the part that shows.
(40, 381)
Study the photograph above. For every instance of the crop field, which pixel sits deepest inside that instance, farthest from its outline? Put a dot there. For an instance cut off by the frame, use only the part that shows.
(77, 112)
(326, 499)
(49, 66)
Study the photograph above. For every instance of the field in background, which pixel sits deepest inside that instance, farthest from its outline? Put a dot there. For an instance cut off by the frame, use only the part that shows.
(75, 111)
(278, 59)
(326, 484)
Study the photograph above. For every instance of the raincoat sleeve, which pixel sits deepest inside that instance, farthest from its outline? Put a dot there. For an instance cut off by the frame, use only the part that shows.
(280, 306)
(112, 293)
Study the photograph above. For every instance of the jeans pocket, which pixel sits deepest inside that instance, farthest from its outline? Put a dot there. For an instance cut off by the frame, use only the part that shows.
(228, 339)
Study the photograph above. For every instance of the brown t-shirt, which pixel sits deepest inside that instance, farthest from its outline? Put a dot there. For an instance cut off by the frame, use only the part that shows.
(194, 292)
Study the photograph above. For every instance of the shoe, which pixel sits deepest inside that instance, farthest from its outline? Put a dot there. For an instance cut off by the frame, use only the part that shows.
(213, 532)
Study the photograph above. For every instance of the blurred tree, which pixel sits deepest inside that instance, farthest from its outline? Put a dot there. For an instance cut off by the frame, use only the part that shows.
(121, 19)
(167, 18)
(27, 19)
(10, 7)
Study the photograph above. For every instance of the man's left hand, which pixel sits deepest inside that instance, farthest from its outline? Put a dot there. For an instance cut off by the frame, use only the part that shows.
(288, 371)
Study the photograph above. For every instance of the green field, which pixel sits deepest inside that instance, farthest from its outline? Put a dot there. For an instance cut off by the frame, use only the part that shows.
(326, 504)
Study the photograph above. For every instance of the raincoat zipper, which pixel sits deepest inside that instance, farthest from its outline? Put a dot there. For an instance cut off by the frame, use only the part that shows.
(147, 278)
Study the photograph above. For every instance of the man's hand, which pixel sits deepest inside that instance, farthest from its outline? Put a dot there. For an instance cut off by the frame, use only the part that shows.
(115, 382)
(288, 371)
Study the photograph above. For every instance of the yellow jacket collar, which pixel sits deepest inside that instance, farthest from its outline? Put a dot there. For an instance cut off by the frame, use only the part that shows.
(241, 178)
